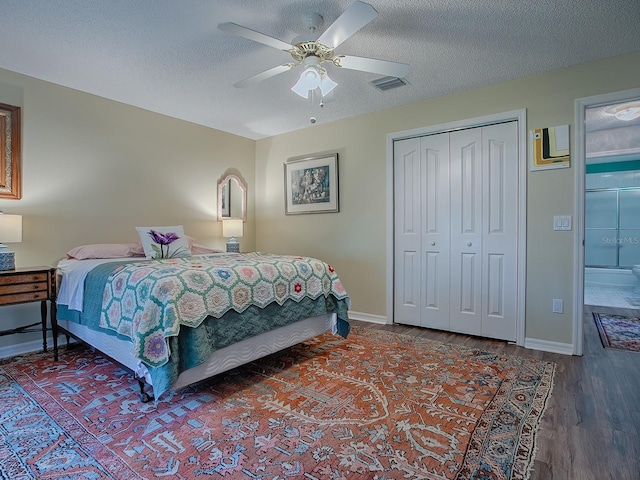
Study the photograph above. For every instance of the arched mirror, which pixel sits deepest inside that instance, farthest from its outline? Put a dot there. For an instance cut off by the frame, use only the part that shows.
(232, 197)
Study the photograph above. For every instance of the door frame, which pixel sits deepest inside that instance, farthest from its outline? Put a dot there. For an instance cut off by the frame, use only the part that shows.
(521, 117)
(580, 162)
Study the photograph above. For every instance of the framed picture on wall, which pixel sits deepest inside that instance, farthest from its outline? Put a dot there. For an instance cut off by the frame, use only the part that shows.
(10, 151)
(311, 185)
(550, 148)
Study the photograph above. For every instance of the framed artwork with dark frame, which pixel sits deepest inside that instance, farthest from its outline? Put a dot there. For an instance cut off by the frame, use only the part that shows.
(10, 151)
(311, 185)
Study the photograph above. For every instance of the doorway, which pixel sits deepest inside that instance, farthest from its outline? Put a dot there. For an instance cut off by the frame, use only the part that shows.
(608, 205)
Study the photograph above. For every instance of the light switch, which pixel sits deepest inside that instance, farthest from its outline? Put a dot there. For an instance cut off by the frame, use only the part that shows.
(562, 222)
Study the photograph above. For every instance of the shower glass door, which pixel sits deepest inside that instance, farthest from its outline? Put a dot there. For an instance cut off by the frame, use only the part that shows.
(612, 228)
(629, 233)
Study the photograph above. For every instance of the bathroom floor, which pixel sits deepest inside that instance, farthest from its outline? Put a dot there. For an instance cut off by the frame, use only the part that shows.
(621, 297)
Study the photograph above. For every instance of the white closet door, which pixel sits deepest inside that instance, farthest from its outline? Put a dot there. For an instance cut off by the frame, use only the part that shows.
(421, 204)
(408, 179)
(500, 231)
(466, 231)
(455, 235)
(435, 231)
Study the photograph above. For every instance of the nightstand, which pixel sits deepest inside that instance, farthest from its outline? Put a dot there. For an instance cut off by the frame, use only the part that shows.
(31, 284)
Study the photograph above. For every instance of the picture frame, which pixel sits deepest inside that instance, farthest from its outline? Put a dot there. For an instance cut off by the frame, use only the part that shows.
(311, 185)
(550, 148)
(10, 137)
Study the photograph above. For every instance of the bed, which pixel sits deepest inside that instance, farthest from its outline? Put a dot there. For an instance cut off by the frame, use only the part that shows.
(178, 321)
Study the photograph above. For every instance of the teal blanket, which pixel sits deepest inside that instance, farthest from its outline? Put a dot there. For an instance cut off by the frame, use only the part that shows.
(193, 346)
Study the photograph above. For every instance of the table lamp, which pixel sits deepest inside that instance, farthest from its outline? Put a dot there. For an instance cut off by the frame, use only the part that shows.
(232, 227)
(10, 232)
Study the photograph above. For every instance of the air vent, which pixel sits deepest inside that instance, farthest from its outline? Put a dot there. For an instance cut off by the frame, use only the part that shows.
(387, 83)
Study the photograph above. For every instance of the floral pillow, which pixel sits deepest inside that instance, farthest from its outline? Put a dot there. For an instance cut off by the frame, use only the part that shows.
(164, 242)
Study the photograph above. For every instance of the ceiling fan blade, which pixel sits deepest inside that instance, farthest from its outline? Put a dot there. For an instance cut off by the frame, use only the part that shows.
(356, 16)
(272, 72)
(382, 67)
(245, 32)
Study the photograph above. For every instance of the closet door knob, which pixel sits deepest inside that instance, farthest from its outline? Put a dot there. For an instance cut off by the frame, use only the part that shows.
(433, 244)
(468, 244)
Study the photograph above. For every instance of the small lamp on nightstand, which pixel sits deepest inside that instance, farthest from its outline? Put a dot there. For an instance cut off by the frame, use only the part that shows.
(232, 227)
(10, 232)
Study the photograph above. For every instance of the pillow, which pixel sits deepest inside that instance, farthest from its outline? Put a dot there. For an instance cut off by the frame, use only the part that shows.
(197, 249)
(138, 251)
(164, 242)
(104, 250)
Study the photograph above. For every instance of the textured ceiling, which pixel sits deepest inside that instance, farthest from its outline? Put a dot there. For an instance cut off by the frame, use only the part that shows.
(168, 56)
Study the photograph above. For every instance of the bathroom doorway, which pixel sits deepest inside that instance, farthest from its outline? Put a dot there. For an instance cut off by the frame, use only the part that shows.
(612, 205)
(607, 163)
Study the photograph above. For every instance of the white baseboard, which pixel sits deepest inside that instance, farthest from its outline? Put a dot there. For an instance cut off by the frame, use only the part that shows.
(531, 343)
(26, 347)
(548, 346)
(368, 317)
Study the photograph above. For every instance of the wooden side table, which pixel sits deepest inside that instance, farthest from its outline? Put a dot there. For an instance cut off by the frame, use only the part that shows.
(31, 284)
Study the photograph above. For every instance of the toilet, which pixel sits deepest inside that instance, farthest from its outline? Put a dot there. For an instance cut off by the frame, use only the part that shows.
(636, 271)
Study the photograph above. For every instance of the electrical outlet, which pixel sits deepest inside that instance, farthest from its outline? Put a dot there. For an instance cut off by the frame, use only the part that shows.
(558, 305)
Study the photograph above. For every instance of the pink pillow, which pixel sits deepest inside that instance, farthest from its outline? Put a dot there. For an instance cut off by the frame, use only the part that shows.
(197, 249)
(105, 250)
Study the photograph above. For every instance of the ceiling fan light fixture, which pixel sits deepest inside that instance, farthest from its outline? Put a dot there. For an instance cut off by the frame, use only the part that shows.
(312, 51)
(625, 112)
(628, 114)
(312, 78)
(309, 80)
(326, 85)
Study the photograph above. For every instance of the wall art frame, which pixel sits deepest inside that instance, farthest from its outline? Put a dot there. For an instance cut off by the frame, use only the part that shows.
(10, 137)
(311, 185)
(550, 148)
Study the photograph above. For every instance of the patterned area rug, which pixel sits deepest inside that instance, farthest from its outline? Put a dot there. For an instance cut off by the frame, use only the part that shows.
(373, 406)
(618, 332)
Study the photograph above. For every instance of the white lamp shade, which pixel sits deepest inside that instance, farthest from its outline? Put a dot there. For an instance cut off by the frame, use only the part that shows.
(10, 228)
(309, 80)
(326, 85)
(232, 227)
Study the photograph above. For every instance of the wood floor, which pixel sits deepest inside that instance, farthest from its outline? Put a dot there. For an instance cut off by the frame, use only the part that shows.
(591, 428)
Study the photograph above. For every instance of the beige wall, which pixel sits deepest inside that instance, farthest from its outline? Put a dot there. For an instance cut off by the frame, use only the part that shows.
(354, 240)
(94, 169)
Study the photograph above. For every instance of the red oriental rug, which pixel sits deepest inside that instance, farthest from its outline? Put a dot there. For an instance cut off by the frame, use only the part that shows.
(376, 405)
(618, 332)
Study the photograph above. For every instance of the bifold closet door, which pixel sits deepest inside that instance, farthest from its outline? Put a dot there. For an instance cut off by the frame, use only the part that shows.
(484, 231)
(466, 231)
(421, 231)
(407, 174)
(455, 231)
(500, 231)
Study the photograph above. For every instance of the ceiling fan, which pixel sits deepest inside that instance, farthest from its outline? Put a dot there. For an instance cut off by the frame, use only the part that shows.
(312, 52)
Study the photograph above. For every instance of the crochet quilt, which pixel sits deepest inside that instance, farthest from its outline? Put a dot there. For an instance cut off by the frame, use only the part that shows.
(149, 302)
